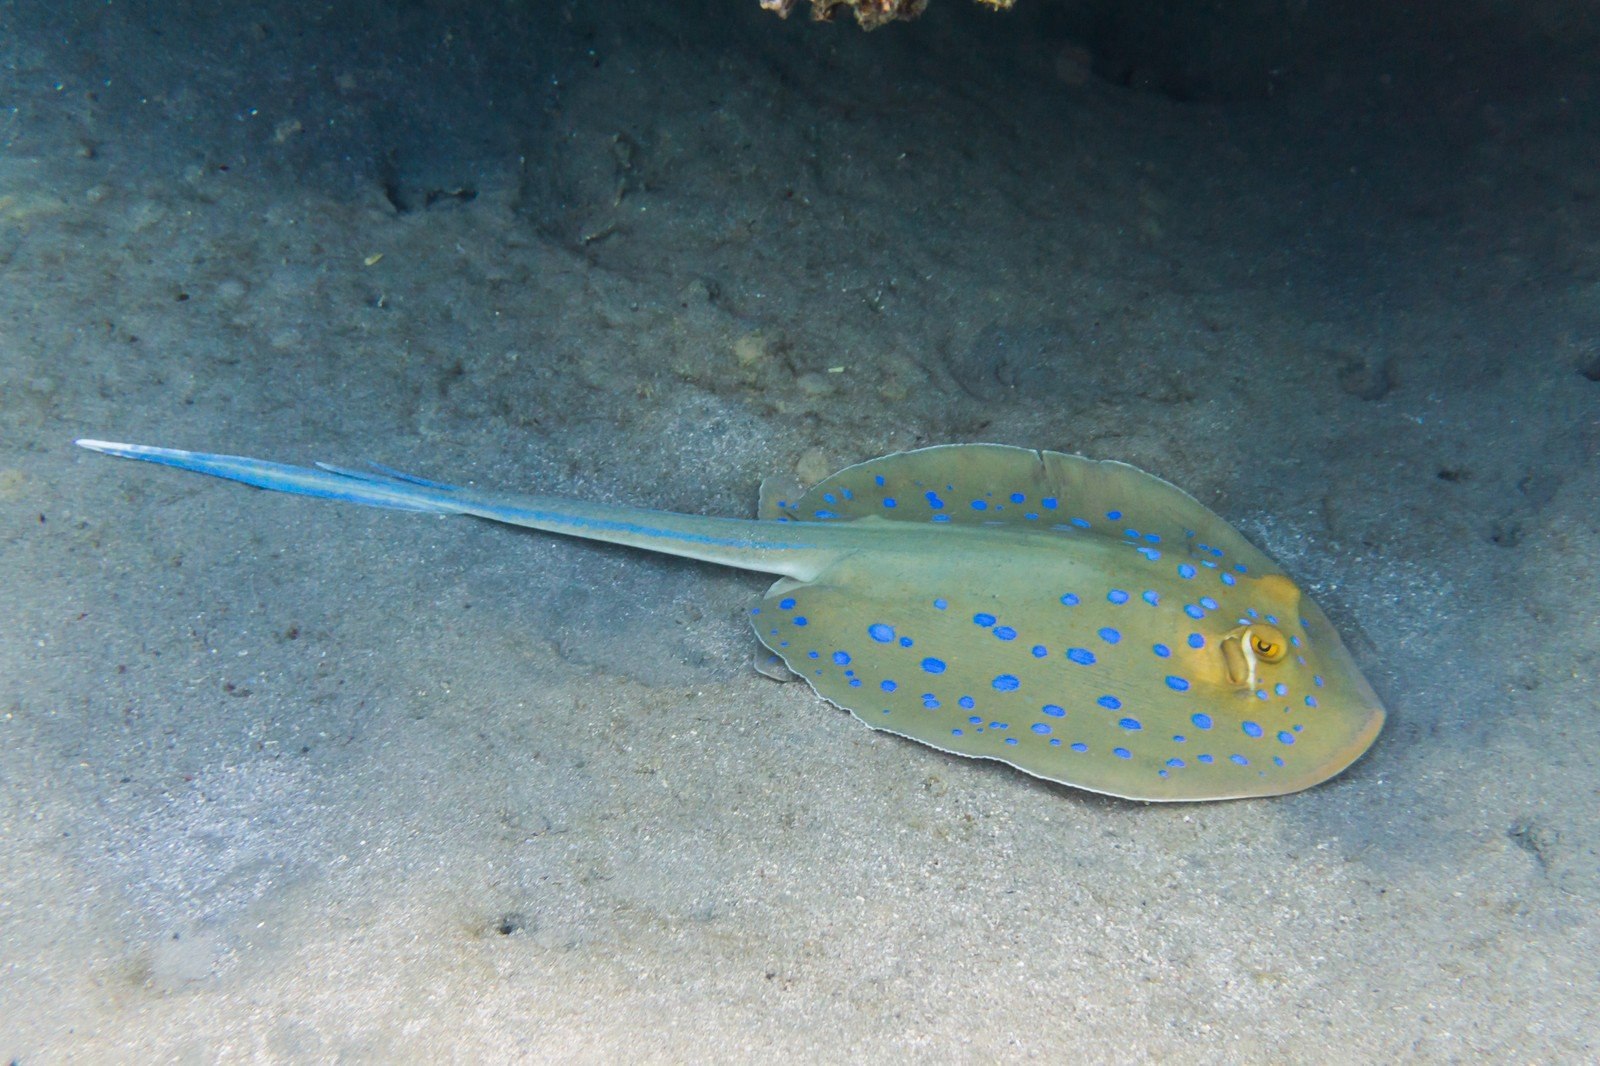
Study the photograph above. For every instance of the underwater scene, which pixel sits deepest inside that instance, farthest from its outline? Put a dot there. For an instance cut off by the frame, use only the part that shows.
(828, 531)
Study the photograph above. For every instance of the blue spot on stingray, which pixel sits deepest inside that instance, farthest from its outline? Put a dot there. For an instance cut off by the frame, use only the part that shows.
(881, 633)
(1280, 689)
(1011, 740)
(800, 620)
(1017, 497)
(1193, 612)
(1109, 635)
(941, 518)
(888, 686)
(1176, 764)
(1151, 554)
(1081, 523)
(1311, 701)
(1117, 596)
(1130, 724)
(1079, 746)
(1179, 738)
(974, 720)
(1122, 753)
(877, 479)
(955, 732)
(934, 501)
(826, 514)
(1208, 603)
(1201, 721)
(1006, 683)
(1177, 684)
(1070, 599)
(1053, 711)
(933, 666)
(1040, 728)
(1186, 571)
(830, 497)
(1277, 760)
(1240, 759)
(905, 642)
(1294, 642)
(1005, 632)
(786, 604)
(1161, 650)
(1081, 656)
(984, 620)
(1040, 651)
(1113, 516)
(1049, 503)
(1228, 579)
(967, 702)
(1151, 596)
(1251, 729)
(940, 604)
(812, 655)
(1196, 640)
(1110, 703)
(842, 658)
(930, 701)
(1316, 679)
(980, 505)
(848, 494)
(1285, 738)
(855, 682)
(890, 502)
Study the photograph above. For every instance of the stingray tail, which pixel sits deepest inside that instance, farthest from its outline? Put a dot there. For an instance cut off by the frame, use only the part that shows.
(379, 487)
(763, 546)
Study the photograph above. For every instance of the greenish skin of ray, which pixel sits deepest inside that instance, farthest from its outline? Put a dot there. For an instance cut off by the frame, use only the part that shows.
(876, 563)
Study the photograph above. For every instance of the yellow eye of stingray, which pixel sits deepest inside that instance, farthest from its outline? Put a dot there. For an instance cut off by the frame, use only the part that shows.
(1268, 643)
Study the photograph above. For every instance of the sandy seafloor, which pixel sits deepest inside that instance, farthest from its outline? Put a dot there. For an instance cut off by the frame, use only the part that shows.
(288, 781)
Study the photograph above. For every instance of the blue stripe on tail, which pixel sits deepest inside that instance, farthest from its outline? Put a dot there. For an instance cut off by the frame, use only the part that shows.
(381, 488)
(386, 472)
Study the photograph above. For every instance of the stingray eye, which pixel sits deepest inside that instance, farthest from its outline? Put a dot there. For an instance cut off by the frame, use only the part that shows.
(1268, 643)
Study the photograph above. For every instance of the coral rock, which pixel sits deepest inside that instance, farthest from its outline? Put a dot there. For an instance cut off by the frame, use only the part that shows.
(869, 13)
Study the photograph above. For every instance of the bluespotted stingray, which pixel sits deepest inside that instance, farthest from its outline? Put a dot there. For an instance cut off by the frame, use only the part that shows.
(1081, 620)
